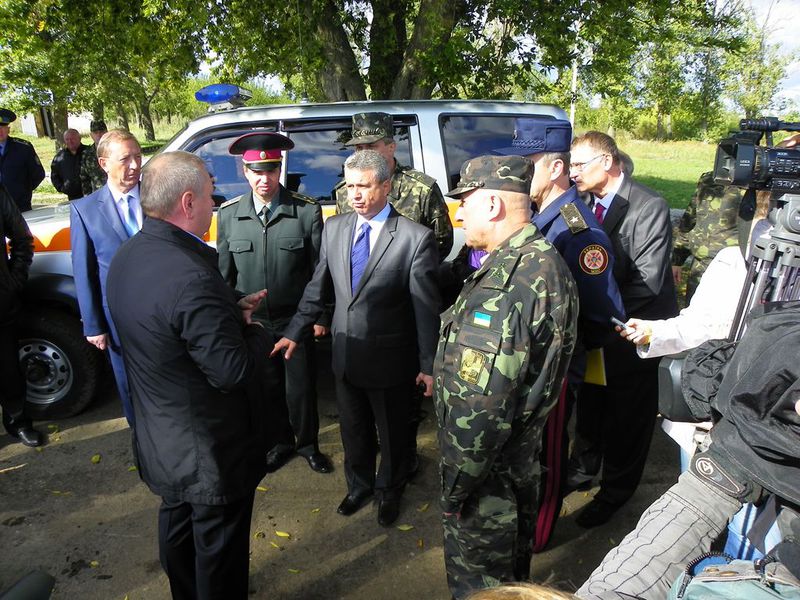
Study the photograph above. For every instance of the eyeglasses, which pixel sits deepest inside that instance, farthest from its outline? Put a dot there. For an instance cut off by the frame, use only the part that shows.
(580, 166)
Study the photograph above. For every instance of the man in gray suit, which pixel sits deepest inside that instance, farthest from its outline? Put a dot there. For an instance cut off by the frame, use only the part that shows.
(381, 269)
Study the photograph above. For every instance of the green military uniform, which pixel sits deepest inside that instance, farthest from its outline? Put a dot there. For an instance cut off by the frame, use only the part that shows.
(416, 196)
(503, 353)
(707, 226)
(92, 175)
(279, 256)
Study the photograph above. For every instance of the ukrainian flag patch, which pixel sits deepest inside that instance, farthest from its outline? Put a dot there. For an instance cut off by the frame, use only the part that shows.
(481, 319)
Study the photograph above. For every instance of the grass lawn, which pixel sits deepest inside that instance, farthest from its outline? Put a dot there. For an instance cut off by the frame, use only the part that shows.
(670, 168)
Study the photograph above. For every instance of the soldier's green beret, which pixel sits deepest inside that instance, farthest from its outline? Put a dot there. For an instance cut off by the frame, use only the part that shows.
(504, 173)
(371, 127)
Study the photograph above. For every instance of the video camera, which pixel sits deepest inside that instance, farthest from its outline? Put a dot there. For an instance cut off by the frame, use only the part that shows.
(743, 162)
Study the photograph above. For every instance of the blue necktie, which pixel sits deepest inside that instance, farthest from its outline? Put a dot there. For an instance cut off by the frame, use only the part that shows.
(359, 257)
(131, 224)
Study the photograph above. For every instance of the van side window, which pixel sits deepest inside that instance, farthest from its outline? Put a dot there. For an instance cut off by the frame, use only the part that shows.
(467, 136)
(316, 163)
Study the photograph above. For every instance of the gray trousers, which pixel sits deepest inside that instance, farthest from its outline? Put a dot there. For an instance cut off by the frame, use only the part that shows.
(675, 529)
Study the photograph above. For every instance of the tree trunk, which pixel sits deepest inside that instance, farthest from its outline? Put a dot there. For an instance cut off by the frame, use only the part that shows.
(60, 121)
(388, 39)
(122, 115)
(659, 125)
(98, 111)
(432, 30)
(146, 118)
(339, 78)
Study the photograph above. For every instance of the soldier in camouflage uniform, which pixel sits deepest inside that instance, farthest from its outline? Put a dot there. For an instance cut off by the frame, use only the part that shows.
(503, 353)
(414, 195)
(707, 226)
(92, 176)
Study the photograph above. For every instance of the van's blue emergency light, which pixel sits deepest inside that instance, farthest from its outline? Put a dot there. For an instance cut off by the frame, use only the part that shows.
(222, 96)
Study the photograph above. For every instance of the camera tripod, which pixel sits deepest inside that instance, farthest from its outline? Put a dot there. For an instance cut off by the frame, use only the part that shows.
(774, 264)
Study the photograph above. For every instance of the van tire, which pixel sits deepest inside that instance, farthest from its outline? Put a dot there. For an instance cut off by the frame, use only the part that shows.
(62, 369)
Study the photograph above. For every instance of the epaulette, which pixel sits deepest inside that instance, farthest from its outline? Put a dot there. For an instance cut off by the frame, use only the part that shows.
(21, 141)
(338, 185)
(573, 218)
(230, 202)
(419, 176)
(303, 197)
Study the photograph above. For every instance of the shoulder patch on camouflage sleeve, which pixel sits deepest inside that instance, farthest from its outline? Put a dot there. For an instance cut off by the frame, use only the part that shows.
(230, 202)
(593, 259)
(573, 218)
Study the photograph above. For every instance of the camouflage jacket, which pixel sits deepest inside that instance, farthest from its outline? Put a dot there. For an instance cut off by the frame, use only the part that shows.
(709, 223)
(503, 352)
(92, 176)
(416, 196)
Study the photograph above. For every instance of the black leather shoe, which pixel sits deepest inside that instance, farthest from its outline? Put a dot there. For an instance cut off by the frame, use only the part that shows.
(352, 504)
(388, 511)
(596, 513)
(277, 458)
(319, 462)
(27, 435)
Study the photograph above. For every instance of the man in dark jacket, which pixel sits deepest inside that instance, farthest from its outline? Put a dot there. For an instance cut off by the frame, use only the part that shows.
(193, 361)
(13, 273)
(65, 170)
(20, 168)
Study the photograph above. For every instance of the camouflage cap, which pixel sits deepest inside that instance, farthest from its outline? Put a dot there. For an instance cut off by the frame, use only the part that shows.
(371, 127)
(98, 125)
(504, 173)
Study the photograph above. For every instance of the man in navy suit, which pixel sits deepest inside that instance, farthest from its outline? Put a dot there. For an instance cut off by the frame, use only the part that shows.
(381, 268)
(99, 224)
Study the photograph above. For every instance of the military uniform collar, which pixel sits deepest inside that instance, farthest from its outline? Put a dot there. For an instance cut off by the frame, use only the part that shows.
(553, 210)
(499, 266)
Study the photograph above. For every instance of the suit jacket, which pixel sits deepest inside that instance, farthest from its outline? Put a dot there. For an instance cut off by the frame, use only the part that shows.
(640, 229)
(192, 365)
(639, 226)
(15, 262)
(21, 171)
(96, 233)
(386, 332)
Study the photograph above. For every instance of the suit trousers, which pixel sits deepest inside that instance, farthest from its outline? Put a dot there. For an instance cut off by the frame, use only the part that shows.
(121, 379)
(615, 423)
(204, 550)
(361, 410)
(297, 389)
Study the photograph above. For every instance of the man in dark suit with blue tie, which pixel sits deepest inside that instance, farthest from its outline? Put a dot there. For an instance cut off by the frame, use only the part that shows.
(381, 268)
(99, 224)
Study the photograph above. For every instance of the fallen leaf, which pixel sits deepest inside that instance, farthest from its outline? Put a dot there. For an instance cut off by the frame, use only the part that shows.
(314, 510)
(283, 534)
(259, 535)
(420, 543)
(294, 570)
(94, 564)
(133, 468)
(95, 459)
(39, 449)
(261, 488)
(424, 507)
(405, 527)
(52, 427)
(274, 545)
